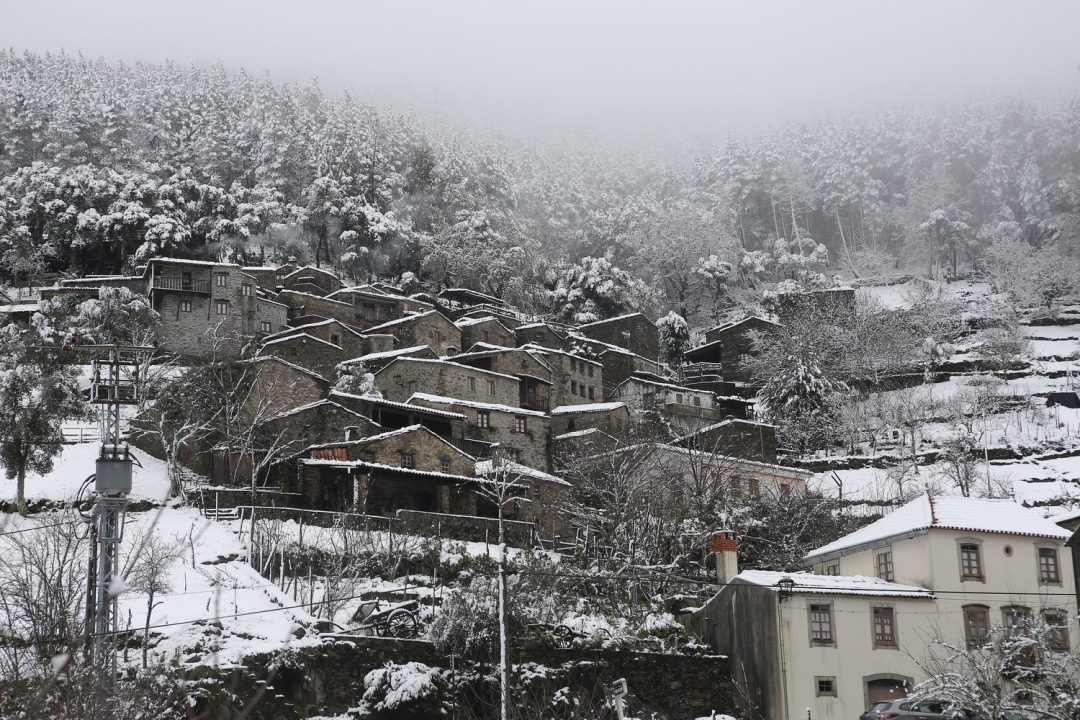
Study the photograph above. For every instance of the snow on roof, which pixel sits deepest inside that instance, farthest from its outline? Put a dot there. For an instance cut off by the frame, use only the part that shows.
(300, 328)
(587, 408)
(380, 466)
(373, 438)
(656, 383)
(718, 458)
(440, 361)
(486, 467)
(20, 307)
(530, 326)
(474, 293)
(809, 584)
(309, 269)
(404, 406)
(722, 423)
(579, 433)
(444, 400)
(283, 361)
(1066, 516)
(312, 405)
(728, 326)
(468, 321)
(179, 261)
(298, 335)
(555, 351)
(303, 294)
(614, 319)
(373, 293)
(950, 513)
(407, 318)
(389, 354)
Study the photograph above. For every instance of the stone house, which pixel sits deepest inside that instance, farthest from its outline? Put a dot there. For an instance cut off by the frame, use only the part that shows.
(428, 328)
(542, 334)
(305, 350)
(207, 307)
(520, 433)
(409, 468)
(269, 278)
(856, 639)
(404, 376)
(633, 332)
(450, 426)
(373, 362)
(529, 365)
(728, 345)
(613, 418)
(352, 342)
(687, 408)
(280, 385)
(618, 363)
(457, 302)
(735, 438)
(290, 432)
(312, 280)
(576, 380)
(486, 330)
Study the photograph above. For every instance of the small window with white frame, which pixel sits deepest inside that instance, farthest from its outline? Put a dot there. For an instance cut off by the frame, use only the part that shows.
(264, 326)
(221, 279)
(884, 562)
(821, 624)
(825, 686)
(185, 305)
(222, 307)
(1049, 569)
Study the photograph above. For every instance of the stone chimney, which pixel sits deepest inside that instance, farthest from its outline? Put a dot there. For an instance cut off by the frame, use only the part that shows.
(726, 547)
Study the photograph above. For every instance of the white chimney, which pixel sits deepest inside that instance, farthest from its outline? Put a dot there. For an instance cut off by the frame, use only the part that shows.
(726, 548)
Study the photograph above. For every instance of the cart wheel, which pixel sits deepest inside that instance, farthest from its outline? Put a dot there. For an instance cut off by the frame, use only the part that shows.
(564, 636)
(401, 624)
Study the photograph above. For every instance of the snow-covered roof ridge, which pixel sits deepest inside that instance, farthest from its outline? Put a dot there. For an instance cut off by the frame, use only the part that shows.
(451, 363)
(532, 347)
(182, 261)
(298, 335)
(446, 400)
(624, 316)
(469, 321)
(587, 408)
(390, 403)
(636, 377)
(402, 320)
(736, 323)
(309, 268)
(283, 361)
(1001, 517)
(317, 403)
(387, 354)
(487, 467)
(810, 584)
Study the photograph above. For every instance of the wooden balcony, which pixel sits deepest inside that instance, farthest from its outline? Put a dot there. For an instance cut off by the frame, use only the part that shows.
(175, 284)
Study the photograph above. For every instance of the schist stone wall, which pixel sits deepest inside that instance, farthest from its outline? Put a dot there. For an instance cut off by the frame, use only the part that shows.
(405, 376)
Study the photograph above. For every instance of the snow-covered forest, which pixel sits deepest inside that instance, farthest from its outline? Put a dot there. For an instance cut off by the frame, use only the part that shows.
(103, 165)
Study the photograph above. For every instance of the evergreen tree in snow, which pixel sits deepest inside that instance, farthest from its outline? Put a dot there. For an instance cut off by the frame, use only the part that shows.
(674, 337)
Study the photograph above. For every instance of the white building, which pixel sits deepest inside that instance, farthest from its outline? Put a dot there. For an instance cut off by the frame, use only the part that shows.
(855, 631)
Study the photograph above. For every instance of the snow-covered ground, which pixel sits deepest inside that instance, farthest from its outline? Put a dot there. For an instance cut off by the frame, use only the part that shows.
(77, 462)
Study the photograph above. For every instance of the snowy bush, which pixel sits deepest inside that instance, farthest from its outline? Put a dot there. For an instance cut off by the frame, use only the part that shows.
(404, 691)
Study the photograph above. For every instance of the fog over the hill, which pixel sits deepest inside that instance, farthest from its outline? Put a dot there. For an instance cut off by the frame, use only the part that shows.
(676, 69)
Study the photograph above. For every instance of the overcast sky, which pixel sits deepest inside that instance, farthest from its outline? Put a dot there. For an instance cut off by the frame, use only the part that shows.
(664, 66)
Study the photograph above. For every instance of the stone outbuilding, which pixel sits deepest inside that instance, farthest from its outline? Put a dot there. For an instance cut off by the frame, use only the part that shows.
(633, 332)
(613, 418)
(405, 376)
(486, 329)
(428, 328)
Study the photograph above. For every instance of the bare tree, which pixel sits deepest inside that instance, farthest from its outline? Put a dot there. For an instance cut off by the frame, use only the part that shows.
(149, 572)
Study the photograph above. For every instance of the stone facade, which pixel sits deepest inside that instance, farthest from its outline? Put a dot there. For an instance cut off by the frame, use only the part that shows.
(281, 385)
(729, 345)
(541, 334)
(529, 365)
(269, 278)
(405, 376)
(430, 328)
(621, 364)
(307, 351)
(352, 343)
(311, 279)
(836, 304)
(208, 308)
(373, 362)
(484, 330)
(522, 433)
(736, 438)
(307, 304)
(633, 332)
(393, 415)
(613, 418)
(687, 408)
(575, 379)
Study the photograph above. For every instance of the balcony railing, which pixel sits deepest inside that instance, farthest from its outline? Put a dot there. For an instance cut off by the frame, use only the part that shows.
(164, 282)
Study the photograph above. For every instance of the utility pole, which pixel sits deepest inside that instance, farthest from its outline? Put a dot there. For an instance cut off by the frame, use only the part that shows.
(113, 384)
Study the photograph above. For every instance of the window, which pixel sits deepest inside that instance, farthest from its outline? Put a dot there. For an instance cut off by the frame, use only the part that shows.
(832, 567)
(697, 401)
(483, 419)
(755, 487)
(573, 365)
(406, 459)
(785, 490)
(884, 627)
(520, 424)
(825, 686)
(335, 338)
(976, 625)
(485, 334)
(970, 562)
(591, 368)
(678, 398)
(581, 390)
(1048, 566)
(410, 387)
(491, 387)
(1016, 618)
(736, 487)
(821, 632)
(221, 279)
(264, 326)
(246, 288)
(185, 305)
(444, 465)
(1057, 635)
(885, 565)
(573, 387)
(222, 307)
(472, 384)
(592, 393)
